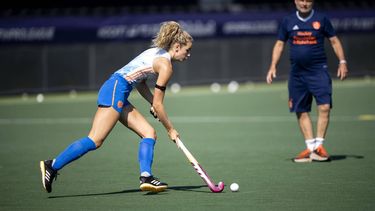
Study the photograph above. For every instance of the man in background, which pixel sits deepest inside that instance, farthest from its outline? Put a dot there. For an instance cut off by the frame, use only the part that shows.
(305, 30)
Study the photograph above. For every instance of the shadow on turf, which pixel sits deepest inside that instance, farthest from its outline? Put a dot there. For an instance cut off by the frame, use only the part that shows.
(189, 188)
(338, 157)
(343, 157)
(177, 188)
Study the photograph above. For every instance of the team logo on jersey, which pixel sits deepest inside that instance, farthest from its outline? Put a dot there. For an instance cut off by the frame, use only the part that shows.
(120, 104)
(295, 27)
(316, 25)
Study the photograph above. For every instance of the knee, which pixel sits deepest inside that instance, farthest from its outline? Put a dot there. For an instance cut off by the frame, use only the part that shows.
(149, 133)
(324, 108)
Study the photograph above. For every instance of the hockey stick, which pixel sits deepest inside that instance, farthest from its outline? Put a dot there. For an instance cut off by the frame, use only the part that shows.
(214, 188)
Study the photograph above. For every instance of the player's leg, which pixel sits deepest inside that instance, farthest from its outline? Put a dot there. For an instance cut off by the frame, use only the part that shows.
(110, 104)
(135, 121)
(300, 100)
(110, 98)
(104, 121)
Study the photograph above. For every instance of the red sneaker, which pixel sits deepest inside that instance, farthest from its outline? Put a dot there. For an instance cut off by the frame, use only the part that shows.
(320, 154)
(303, 157)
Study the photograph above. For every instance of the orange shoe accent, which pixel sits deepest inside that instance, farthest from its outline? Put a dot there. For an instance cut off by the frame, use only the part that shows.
(303, 157)
(320, 154)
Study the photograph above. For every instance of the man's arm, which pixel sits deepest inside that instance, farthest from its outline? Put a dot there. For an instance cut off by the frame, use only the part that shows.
(342, 71)
(276, 54)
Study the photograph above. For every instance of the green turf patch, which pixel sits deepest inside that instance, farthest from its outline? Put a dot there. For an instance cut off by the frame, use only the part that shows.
(247, 137)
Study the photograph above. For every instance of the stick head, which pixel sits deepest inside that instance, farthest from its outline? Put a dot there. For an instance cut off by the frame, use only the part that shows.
(217, 188)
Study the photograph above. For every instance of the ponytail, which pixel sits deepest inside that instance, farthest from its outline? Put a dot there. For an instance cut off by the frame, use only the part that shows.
(170, 32)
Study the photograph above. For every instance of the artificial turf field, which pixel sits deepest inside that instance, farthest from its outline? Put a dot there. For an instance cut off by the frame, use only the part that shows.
(248, 137)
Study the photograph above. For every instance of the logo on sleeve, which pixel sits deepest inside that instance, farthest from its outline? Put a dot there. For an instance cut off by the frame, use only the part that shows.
(316, 25)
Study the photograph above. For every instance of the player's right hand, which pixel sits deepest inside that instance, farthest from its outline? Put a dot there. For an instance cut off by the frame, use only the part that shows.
(342, 71)
(173, 134)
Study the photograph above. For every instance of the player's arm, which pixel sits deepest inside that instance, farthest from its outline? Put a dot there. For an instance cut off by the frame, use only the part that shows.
(276, 54)
(342, 71)
(163, 68)
(145, 92)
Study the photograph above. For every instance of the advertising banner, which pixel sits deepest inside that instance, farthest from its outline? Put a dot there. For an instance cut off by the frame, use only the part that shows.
(137, 26)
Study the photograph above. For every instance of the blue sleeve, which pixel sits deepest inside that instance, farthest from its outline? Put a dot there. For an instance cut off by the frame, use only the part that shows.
(283, 32)
(329, 31)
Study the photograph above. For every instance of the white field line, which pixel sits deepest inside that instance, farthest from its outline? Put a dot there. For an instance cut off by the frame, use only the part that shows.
(175, 119)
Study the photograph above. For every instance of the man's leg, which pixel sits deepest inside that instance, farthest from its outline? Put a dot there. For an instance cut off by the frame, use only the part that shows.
(320, 154)
(305, 125)
(323, 122)
(306, 128)
(321, 89)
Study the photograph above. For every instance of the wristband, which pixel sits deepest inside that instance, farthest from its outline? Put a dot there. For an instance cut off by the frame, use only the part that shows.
(342, 61)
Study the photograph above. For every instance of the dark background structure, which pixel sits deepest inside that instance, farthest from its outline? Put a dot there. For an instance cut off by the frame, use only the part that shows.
(51, 67)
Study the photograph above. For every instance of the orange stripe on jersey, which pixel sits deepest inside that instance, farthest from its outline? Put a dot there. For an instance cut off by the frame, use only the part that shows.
(133, 76)
(137, 73)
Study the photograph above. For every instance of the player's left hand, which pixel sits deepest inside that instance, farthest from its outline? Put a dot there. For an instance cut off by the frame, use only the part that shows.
(342, 71)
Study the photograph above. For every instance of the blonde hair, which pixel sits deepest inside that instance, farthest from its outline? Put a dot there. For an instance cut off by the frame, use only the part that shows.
(170, 33)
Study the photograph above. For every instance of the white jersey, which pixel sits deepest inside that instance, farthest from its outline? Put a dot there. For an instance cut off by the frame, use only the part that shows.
(140, 68)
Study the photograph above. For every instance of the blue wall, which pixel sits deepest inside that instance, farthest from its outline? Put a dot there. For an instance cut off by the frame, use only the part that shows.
(64, 53)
